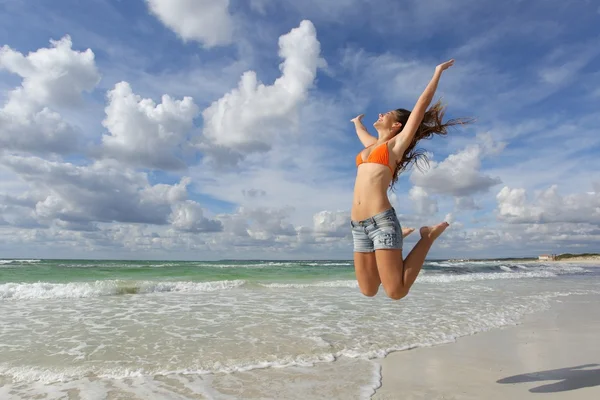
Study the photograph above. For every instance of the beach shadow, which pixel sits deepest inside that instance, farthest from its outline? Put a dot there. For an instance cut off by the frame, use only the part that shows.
(568, 378)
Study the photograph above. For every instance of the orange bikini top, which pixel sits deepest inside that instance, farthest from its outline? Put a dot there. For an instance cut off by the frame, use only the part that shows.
(379, 155)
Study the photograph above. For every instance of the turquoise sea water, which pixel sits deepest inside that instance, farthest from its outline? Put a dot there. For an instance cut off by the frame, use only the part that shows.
(243, 329)
(62, 271)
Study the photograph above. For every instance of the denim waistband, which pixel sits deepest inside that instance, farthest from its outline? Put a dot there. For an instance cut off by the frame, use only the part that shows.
(374, 218)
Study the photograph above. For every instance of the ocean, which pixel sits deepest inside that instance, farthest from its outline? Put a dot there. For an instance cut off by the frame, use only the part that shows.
(72, 329)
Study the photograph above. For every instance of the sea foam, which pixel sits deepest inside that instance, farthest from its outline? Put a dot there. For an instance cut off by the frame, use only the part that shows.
(45, 290)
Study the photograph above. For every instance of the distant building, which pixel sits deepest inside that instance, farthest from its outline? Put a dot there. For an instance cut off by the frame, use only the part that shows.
(547, 257)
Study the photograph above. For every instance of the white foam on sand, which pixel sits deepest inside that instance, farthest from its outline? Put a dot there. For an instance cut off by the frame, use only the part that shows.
(352, 379)
(45, 290)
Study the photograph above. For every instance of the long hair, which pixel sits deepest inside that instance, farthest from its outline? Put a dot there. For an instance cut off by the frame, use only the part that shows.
(432, 124)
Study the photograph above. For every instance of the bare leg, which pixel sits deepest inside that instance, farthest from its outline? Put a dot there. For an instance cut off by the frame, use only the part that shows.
(415, 259)
(366, 273)
(397, 275)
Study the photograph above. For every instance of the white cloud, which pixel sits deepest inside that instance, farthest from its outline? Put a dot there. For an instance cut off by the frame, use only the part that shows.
(423, 203)
(306, 172)
(40, 132)
(56, 75)
(248, 119)
(52, 77)
(511, 202)
(460, 174)
(267, 230)
(268, 223)
(206, 21)
(521, 239)
(465, 203)
(331, 224)
(301, 188)
(234, 224)
(17, 212)
(548, 206)
(115, 240)
(271, 230)
(102, 192)
(145, 134)
(189, 217)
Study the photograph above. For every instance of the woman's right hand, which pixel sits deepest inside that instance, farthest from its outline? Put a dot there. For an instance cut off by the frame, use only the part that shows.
(358, 118)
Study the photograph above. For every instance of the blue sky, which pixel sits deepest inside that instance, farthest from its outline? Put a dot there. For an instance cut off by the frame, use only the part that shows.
(220, 129)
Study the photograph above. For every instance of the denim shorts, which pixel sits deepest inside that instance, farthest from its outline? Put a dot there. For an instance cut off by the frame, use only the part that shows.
(381, 231)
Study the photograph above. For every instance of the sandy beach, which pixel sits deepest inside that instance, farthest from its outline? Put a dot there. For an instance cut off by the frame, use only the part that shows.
(588, 261)
(553, 353)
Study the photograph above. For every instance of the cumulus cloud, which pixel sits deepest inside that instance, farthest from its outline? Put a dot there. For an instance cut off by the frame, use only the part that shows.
(522, 239)
(205, 21)
(548, 206)
(331, 224)
(235, 225)
(423, 203)
(261, 227)
(40, 132)
(142, 133)
(249, 118)
(17, 211)
(465, 203)
(268, 223)
(70, 240)
(460, 174)
(54, 76)
(189, 217)
(104, 192)
(19, 217)
(270, 230)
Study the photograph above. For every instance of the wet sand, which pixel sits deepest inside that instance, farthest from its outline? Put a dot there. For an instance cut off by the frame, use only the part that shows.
(551, 355)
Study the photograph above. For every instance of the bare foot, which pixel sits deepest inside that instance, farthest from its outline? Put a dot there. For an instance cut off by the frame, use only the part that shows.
(407, 231)
(433, 232)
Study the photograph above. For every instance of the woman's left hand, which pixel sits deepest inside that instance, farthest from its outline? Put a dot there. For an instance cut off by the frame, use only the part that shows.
(444, 66)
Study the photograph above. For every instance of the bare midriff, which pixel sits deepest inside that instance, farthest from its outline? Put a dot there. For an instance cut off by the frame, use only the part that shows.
(370, 191)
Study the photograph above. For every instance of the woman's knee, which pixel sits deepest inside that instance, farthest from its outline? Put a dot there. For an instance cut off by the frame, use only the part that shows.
(369, 291)
(397, 293)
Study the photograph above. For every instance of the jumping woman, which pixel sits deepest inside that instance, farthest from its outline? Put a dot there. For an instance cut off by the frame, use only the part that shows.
(377, 233)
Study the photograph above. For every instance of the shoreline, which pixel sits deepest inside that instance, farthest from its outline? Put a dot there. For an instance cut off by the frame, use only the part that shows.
(553, 352)
(594, 261)
(576, 260)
